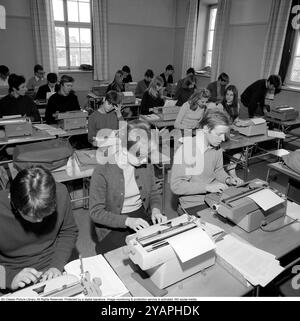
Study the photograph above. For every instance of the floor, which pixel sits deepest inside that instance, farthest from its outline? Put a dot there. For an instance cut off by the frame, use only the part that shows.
(257, 169)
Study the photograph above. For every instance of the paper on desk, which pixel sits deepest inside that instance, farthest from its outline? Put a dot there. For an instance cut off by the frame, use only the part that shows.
(276, 133)
(293, 210)
(257, 266)
(170, 103)
(257, 121)
(97, 266)
(191, 244)
(128, 93)
(266, 199)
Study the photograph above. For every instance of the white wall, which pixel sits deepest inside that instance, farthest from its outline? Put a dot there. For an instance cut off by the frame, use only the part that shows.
(17, 50)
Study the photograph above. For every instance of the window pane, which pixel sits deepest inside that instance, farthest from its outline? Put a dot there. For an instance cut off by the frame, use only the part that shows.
(212, 19)
(58, 10)
(84, 12)
(60, 36)
(74, 37)
(74, 57)
(210, 40)
(86, 56)
(61, 57)
(298, 45)
(208, 58)
(295, 75)
(72, 11)
(85, 37)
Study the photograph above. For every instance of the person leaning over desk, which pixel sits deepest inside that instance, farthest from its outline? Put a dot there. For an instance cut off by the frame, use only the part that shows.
(186, 90)
(143, 85)
(62, 101)
(201, 172)
(107, 116)
(192, 111)
(17, 102)
(153, 96)
(123, 195)
(37, 228)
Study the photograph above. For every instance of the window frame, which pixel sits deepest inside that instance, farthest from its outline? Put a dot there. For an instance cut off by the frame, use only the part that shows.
(71, 24)
(288, 80)
(207, 30)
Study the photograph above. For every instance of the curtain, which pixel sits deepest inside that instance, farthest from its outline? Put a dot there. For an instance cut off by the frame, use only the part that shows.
(221, 30)
(44, 34)
(190, 37)
(288, 44)
(277, 26)
(100, 48)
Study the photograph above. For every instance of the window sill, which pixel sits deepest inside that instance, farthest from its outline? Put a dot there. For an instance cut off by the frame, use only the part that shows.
(73, 71)
(291, 88)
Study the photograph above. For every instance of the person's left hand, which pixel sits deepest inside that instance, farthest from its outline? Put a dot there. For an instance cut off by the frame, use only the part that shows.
(158, 217)
(50, 274)
(118, 111)
(235, 181)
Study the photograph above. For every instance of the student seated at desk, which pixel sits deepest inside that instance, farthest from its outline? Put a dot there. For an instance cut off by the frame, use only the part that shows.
(153, 96)
(117, 84)
(143, 85)
(4, 73)
(126, 74)
(253, 97)
(200, 171)
(62, 101)
(217, 88)
(189, 72)
(16, 102)
(230, 104)
(37, 228)
(192, 111)
(50, 87)
(107, 115)
(167, 77)
(37, 80)
(123, 195)
(186, 90)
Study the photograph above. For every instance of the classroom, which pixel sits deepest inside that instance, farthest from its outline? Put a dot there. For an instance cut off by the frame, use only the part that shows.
(149, 148)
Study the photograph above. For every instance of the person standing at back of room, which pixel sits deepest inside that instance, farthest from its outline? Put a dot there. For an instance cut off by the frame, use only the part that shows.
(37, 80)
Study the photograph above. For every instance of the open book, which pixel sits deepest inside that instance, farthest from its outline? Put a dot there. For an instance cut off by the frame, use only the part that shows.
(97, 266)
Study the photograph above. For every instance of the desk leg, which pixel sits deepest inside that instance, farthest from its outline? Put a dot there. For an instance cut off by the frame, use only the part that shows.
(163, 189)
(245, 166)
(268, 175)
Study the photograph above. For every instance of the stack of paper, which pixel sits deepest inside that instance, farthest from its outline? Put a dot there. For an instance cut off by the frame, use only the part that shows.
(256, 266)
(51, 130)
(98, 267)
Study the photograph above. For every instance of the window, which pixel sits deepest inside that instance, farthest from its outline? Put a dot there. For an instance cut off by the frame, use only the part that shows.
(210, 34)
(293, 75)
(73, 33)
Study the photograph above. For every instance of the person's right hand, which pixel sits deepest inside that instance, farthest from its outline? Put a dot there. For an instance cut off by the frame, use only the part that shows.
(136, 223)
(216, 187)
(25, 277)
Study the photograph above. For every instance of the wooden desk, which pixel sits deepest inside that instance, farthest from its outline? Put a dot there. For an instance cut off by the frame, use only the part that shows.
(294, 178)
(284, 125)
(158, 123)
(246, 144)
(37, 135)
(214, 281)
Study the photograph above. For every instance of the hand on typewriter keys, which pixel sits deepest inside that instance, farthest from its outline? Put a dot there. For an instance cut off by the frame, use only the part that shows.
(136, 223)
(216, 187)
(50, 274)
(25, 277)
(157, 217)
(236, 181)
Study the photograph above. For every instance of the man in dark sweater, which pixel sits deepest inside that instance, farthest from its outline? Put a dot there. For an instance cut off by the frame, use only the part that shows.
(50, 87)
(62, 101)
(37, 228)
(254, 96)
(16, 102)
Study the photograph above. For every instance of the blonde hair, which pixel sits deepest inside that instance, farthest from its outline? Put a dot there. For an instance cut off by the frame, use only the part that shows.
(202, 93)
(152, 87)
